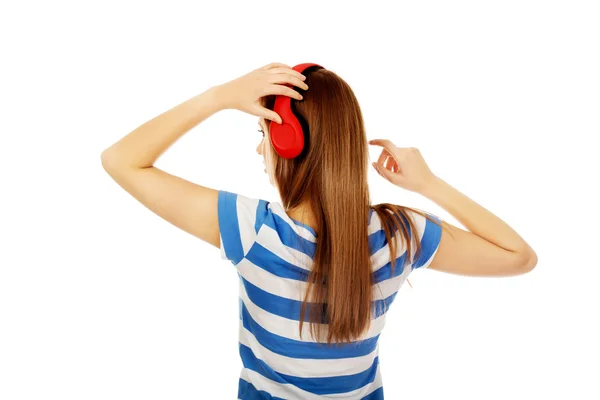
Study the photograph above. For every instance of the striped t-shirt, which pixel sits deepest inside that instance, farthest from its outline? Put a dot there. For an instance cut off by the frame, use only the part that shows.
(262, 242)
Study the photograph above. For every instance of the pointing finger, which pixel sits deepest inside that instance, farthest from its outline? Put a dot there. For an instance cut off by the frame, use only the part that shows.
(287, 70)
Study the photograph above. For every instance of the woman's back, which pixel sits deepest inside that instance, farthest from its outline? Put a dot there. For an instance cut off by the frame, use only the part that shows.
(272, 254)
(348, 267)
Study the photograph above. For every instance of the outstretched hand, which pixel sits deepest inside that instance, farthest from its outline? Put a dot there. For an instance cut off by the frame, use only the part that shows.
(402, 166)
(245, 92)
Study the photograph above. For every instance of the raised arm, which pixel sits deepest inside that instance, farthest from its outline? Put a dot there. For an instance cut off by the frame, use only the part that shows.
(490, 247)
(189, 206)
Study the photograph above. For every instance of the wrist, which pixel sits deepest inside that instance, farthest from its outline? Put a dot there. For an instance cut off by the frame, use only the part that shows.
(219, 96)
(431, 186)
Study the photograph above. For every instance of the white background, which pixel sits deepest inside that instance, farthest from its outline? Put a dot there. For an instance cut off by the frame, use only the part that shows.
(102, 299)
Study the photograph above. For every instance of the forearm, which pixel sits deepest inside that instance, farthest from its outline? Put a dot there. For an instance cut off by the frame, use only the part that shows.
(474, 217)
(142, 147)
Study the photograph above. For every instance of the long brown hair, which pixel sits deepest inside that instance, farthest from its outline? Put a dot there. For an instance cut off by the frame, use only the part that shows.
(330, 175)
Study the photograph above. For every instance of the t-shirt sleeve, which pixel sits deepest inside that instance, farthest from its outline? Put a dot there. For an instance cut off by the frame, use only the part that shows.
(240, 219)
(429, 235)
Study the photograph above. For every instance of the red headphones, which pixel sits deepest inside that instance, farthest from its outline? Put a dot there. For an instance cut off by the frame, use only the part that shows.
(288, 137)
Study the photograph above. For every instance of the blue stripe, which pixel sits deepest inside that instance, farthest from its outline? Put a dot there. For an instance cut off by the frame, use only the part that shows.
(377, 240)
(385, 272)
(382, 306)
(319, 385)
(251, 362)
(230, 231)
(376, 395)
(290, 309)
(290, 237)
(262, 212)
(229, 226)
(429, 242)
(269, 261)
(300, 349)
(247, 391)
(311, 230)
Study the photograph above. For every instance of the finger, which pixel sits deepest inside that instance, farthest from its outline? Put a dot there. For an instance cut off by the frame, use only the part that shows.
(379, 170)
(383, 143)
(383, 156)
(261, 111)
(284, 91)
(385, 173)
(388, 163)
(275, 65)
(287, 78)
(269, 114)
(390, 150)
(282, 70)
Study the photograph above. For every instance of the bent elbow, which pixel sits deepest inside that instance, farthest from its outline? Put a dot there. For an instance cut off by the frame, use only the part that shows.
(106, 160)
(530, 261)
(110, 160)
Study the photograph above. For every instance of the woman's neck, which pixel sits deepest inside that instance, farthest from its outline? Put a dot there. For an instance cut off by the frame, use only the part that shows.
(303, 214)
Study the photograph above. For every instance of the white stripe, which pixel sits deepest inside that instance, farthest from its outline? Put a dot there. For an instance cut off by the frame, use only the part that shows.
(285, 391)
(390, 286)
(246, 213)
(278, 209)
(307, 367)
(269, 239)
(289, 328)
(375, 223)
(291, 392)
(420, 223)
(223, 255)
(430, 258)
(289, 288)
(383, 255)
(294, 289)
(246, 216)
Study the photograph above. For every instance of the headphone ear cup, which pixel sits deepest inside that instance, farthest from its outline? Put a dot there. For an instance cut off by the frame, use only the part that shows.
(287, 142)
(289, 137)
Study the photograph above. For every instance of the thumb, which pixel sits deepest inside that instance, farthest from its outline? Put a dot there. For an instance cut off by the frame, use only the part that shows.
(384, 172)
(268, 114)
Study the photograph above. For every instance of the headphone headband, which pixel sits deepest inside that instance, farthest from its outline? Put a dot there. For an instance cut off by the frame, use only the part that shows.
(288, 137)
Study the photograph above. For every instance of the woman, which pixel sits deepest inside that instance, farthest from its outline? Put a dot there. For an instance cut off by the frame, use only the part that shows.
(325, 244)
